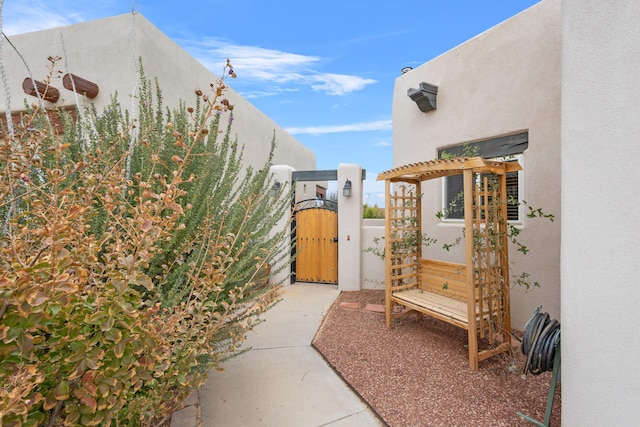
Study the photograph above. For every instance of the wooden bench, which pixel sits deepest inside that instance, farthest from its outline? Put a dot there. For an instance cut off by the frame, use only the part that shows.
(442, 292)
(473, 295)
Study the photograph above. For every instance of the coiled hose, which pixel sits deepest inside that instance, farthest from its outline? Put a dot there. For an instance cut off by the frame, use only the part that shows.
(539, 344)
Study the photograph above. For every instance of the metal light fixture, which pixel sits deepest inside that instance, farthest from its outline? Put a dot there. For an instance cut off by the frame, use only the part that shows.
(424, 96)
(275, 188)
(346, 190)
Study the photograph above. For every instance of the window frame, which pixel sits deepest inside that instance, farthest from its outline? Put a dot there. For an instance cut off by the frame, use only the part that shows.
(520, 174)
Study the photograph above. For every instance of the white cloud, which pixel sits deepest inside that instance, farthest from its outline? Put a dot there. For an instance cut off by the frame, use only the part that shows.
(265, 93)
(278, 70)
(354, 127)
(252, 62)
(273, 67)
(383, 144)
(33, 16)
(339, 84)
(26, 16)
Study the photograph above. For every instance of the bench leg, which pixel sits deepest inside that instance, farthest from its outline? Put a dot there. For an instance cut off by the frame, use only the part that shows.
(387, 306)
(473, 348)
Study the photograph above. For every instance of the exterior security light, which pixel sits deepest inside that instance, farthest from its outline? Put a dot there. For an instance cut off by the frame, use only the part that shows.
(424, 97)
(346, 190)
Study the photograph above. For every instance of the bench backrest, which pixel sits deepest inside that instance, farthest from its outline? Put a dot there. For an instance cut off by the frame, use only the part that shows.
(444, 278)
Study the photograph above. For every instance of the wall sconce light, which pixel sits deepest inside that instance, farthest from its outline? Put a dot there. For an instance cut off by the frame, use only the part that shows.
(405, 70)
(275, 188)
(424, 96)
(346, 190)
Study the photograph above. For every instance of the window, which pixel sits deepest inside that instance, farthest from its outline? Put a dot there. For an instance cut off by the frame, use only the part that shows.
(514, 194)
(453, 201)
(508, 148)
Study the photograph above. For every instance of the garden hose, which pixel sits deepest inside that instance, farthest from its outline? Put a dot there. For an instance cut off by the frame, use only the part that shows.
(540, 342)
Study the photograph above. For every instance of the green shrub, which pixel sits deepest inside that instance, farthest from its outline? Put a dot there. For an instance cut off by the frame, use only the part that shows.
(134, 257)
(372, 212)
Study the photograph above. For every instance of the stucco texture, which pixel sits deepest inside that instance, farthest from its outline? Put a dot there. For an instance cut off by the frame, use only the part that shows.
(107, 52)
(502, 82)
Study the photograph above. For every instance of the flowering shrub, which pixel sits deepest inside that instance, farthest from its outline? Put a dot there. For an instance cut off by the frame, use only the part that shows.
(134, 257)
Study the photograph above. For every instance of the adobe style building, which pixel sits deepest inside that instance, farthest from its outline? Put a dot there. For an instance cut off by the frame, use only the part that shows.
(104, 57)
(106, 52)
(556, 87)
(499, 93)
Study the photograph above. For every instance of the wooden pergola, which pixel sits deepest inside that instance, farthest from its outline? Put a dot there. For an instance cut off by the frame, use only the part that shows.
(473, 294)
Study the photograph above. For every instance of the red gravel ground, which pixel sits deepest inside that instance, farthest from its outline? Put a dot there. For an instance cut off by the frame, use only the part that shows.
(417, 373)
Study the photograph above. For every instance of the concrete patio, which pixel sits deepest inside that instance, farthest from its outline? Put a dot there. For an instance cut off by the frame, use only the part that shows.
(283, 381)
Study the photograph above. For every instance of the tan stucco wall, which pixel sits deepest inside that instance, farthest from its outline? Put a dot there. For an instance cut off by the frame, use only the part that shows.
(350, 229)
(504, 81)
(106, 52)
(600, 207)
(373, 274)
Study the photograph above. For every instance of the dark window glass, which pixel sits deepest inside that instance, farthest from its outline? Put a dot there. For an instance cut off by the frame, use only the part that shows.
(454, 198)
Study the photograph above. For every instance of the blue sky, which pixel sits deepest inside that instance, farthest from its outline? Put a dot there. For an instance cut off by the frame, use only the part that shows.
(323, 70)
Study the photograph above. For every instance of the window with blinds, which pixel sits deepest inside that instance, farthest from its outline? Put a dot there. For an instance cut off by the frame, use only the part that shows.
(503, 148)
(453, 200)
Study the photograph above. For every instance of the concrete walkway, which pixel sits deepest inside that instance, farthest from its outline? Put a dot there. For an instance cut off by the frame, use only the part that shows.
(282, 381)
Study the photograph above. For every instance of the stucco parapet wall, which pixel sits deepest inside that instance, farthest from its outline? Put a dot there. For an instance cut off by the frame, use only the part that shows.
(502, 82)
(117, 44)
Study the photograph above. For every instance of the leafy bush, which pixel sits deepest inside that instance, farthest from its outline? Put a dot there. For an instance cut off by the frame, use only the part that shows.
(135, 256)
(372, 212)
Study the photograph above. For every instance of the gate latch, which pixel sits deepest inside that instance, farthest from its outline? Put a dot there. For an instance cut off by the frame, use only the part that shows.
(335, 239)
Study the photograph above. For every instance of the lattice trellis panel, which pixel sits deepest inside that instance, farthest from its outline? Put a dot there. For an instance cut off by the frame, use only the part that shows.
(479, 301)
(490, 258)
(402, 246)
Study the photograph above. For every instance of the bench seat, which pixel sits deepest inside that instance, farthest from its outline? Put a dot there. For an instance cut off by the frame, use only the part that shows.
(438, 306)
(444, 308)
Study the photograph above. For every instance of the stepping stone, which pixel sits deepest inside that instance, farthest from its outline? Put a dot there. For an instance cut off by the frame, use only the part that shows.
(350, 305)
(376, 308)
